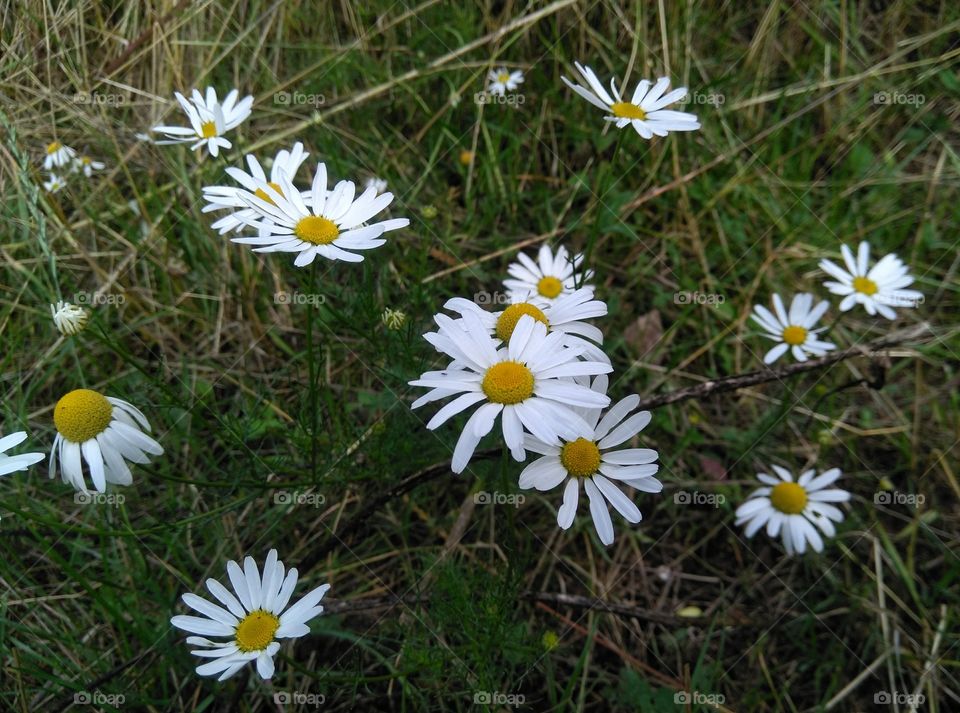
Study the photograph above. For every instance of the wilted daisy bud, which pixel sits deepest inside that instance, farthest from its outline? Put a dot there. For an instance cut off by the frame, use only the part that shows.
(550, 640)
(429, 212)
(70, 319)
(393, 318)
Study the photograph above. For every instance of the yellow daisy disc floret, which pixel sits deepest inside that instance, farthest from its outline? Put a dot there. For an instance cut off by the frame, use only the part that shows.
(549, 287)
(794, 335)
(255, 631)
(82, 414)
(789, 498)
(581, 457)
(507, 321)
(317, 230)
(508, 382)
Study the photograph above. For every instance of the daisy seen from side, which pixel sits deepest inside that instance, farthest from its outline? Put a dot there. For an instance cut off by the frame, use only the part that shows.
(286, 162)
(879, 288)
(565, 314)
(69, 319)
(54, 183)
(102, 431)
(86, 166)
(209, 120)
(646, 109)
(58, 156)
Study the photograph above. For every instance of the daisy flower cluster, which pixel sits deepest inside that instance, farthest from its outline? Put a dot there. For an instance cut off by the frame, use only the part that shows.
(60, 162)
(800, 510)
(878, 289)
(539, 368)
(534, 373)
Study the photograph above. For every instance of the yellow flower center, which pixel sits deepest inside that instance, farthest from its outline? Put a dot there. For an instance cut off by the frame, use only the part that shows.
(503, 77)
(54, 147)
(82, 414)
(794, 335)
(549, 287)
(581, 457)
(865, 285)
(508, 382)
(507, 321)
(255, 631)
(262, 194)
(626, 110)
(466, 157)
(86, 160)
(789, 498)
(208, 129)
(317, 230)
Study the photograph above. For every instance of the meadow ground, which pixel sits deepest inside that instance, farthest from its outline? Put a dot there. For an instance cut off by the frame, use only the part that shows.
(282, 400)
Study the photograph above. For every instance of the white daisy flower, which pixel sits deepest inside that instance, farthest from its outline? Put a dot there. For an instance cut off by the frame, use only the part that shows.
(58, 156)
(793, 330)
(502, 80)
(103, 431)
(794, 508)
(69, 319)
(332, 226)
(878, 288)
(379, 184)
(547, 278)
(645, 110)
(564, 314)
(251, 620)
(54, 183)
(526, 381)
(87, 165)
(209, 120)
(11, 464)
(588, 458)
(225, 197)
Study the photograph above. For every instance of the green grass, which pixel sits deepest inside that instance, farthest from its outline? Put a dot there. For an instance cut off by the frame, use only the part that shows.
(797, 158)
